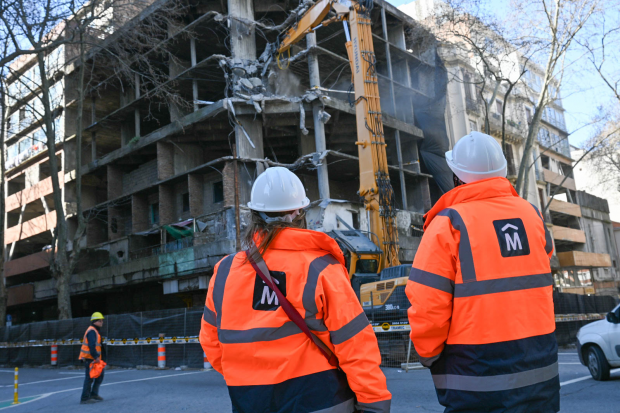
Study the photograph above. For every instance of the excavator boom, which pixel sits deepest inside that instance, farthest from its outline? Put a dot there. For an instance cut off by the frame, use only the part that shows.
(375, 186)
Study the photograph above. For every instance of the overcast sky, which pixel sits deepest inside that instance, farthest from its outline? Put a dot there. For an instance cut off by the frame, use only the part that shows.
(583, 93)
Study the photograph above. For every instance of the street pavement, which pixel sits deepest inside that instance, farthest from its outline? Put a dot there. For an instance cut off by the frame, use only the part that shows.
(58, 390)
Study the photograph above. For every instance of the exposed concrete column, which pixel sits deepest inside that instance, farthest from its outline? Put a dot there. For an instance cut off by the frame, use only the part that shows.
(319, 127)
(137, 109)
(243, 46)
(401, 173)
(254, 129)
(242, 38)
(93, 110)
(192, 44)
(93, 148)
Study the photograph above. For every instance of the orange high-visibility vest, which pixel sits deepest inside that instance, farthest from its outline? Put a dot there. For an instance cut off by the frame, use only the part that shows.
(85, 350)
(481, 310)
(268, 363)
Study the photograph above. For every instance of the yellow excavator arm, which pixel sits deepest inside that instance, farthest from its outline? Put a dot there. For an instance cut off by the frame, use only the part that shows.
(375, 186)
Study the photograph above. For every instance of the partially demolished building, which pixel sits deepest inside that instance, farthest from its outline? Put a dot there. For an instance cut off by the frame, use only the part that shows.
(165, 184)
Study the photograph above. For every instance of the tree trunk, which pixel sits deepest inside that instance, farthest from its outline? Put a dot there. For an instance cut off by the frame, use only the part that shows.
(3, 292)
(59, 265)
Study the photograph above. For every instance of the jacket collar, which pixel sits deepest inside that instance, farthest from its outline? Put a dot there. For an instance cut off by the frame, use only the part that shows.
(294, 239)
(476, 191)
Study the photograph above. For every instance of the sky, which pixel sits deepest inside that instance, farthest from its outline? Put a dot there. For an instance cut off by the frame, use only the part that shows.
(582, 94)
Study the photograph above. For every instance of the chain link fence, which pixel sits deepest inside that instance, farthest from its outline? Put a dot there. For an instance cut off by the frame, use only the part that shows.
(121, 331)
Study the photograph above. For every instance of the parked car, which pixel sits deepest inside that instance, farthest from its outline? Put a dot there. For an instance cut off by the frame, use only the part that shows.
(598, 345)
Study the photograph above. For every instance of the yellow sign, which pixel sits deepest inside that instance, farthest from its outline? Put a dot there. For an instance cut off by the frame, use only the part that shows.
(385, 326)
(590, 290)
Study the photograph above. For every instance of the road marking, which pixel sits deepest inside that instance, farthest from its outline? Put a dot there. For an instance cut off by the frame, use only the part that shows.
(26, 400)
(63, 378)
(583, 378)
(66, 372)
(120, 382)
(7, 371)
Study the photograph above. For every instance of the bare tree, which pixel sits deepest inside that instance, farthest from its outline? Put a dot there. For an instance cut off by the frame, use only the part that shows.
(480, 40)
(129, 61)
(37, 30)
(597, 148)
(604, 158)
(554, 25)
(3, 111)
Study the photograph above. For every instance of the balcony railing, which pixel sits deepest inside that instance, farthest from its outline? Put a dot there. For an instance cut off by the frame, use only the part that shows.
(557, 179)
(566, 208)
(568, 234)
(583, 259)
(159, 249)
(472, 105)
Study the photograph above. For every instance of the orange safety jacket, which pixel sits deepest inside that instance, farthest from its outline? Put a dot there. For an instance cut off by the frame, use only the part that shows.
(85, 350)
(269, 364)
(481, 310)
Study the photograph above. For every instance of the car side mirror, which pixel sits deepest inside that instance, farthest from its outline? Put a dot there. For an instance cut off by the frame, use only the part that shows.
(612, 318)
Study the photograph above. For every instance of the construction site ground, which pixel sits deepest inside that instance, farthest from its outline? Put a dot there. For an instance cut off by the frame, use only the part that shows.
(58, 390)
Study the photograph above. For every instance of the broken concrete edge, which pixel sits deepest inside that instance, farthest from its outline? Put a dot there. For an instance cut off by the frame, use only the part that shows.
(311, 161)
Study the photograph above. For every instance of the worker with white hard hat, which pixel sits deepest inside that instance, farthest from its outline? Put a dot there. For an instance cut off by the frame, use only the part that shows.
(281, 321)
(475, 157)
(480, 288)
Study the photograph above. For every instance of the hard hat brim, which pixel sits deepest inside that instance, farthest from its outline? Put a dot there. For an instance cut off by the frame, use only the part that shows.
(255, 207)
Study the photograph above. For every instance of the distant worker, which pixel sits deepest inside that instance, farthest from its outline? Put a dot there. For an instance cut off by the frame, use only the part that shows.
(92, 351)
(480, 288)
(269, 364)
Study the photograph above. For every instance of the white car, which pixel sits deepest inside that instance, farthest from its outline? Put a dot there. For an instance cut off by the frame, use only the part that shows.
(598, 345)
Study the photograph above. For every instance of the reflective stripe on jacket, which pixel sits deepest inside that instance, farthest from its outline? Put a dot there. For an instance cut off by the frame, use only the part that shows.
(481, 302)
(268, 363)
(85, 349)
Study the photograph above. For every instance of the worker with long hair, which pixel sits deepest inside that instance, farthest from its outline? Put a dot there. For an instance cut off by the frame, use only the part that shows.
(281, 321)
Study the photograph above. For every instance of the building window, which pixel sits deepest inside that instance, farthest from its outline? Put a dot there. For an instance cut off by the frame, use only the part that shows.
(573, 278)
(114, 225)
(472, 125)
(467, 86)
(154, 213)
(186, 202)
(218, 192)
(528, 115)
(541, 198)
(355, 218)
(510, 158)
(499, 105)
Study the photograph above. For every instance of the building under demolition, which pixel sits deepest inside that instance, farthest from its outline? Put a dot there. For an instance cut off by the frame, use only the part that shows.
(165, 183)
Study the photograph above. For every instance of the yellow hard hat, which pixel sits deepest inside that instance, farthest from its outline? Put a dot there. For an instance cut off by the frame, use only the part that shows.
(96, 316)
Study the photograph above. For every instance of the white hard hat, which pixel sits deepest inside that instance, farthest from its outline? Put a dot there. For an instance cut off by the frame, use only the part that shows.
(475, 157)
(277, 190)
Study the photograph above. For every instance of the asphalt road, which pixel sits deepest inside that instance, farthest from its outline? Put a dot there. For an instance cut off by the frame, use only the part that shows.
(58, 390)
